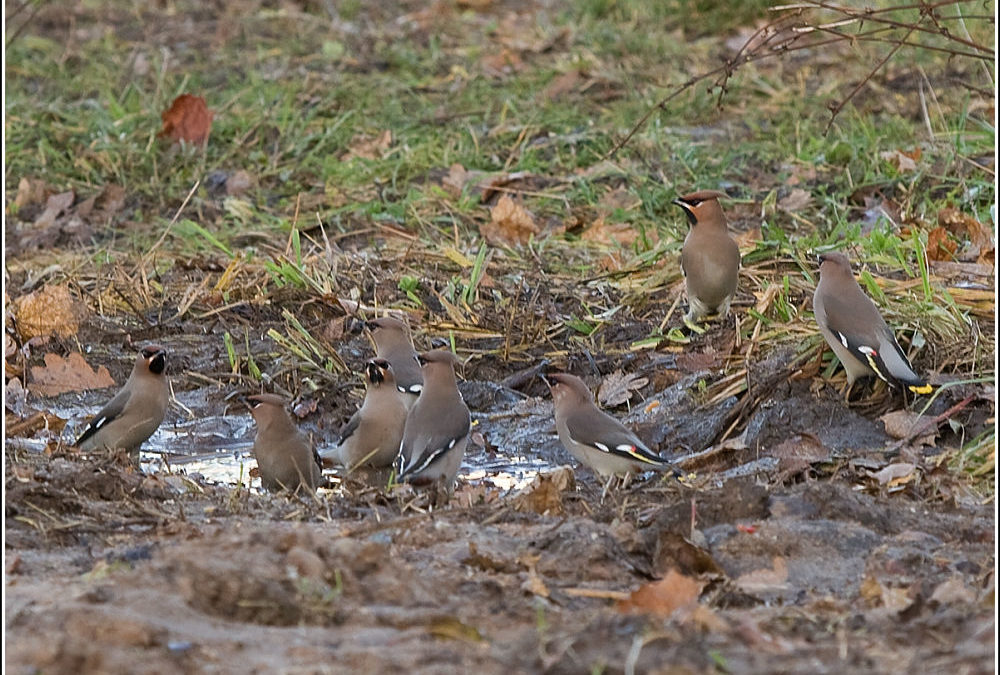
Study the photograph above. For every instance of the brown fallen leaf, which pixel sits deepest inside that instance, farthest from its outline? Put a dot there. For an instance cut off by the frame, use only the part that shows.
(31, 191)
(544, 494)
(664, 597)
(51, 310)
(903, 161)
(54, 207)
(981, 241)
(798, 453)
(187, 119)
(617, 388)
(510, 224)
(940, 246)
(675, 552)
(901, 424)
(60, 375)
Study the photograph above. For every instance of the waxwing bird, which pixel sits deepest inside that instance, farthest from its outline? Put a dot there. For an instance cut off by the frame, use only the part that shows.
(136, 412)
(710, 258)
(437, 426)
(854, 328)
(594, 437)
(373, 434)
(394, 344)
(285, 457)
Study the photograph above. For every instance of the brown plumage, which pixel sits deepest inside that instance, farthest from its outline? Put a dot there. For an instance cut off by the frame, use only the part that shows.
(710, 258)
(136, 411)
(285, 457)
(437, 427)
(373, 434)
(594, 437)
(853, 327)
(394, 344)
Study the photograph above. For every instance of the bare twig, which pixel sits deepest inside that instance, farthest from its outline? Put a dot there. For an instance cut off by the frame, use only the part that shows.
(801, 27)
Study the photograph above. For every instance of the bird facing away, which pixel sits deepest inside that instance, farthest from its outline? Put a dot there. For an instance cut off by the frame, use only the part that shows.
(855, 330)
(710, 258)
(394, 344)
(285, 457)
(373, 434)
(437, 427)
(136, 411)
(594, 437)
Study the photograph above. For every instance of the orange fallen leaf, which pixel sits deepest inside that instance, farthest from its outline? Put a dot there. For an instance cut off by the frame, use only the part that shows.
(51, 310)
(510, 224)
(187, 119)
(939, 245)
(664, 597)
(60, 375)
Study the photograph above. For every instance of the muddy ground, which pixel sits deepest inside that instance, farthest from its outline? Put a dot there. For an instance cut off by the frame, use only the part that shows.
(783, 549)
(807, 535)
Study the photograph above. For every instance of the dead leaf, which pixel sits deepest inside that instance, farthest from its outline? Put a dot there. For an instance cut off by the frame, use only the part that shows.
(187, 119)
(764, 579)
(562, 85)
(617, 388)
(54, 207)
(799, 452)
(981, 241)
(903, 161)
(664, 597)
(896, 475)
(544, 494)
(60, 375)
(900, 423)
(939, 245)
(31, 191)
(795, 201)
(51, 310)
(364, 146)
(675, 552)
(510, 224)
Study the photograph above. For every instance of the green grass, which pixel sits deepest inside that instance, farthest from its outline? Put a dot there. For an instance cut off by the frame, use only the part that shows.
(293, 97)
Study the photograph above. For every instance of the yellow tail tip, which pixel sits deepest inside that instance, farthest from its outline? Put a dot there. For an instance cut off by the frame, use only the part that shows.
(922, 389)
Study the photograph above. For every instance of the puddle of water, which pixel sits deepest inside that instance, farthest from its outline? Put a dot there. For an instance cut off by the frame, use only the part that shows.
(218, 447)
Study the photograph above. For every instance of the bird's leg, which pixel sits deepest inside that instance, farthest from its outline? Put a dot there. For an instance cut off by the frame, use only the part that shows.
(607, 486)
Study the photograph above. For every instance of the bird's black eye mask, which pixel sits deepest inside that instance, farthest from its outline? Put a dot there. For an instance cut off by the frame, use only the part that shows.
(157, 361)
(686, 208)
(375, 368)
